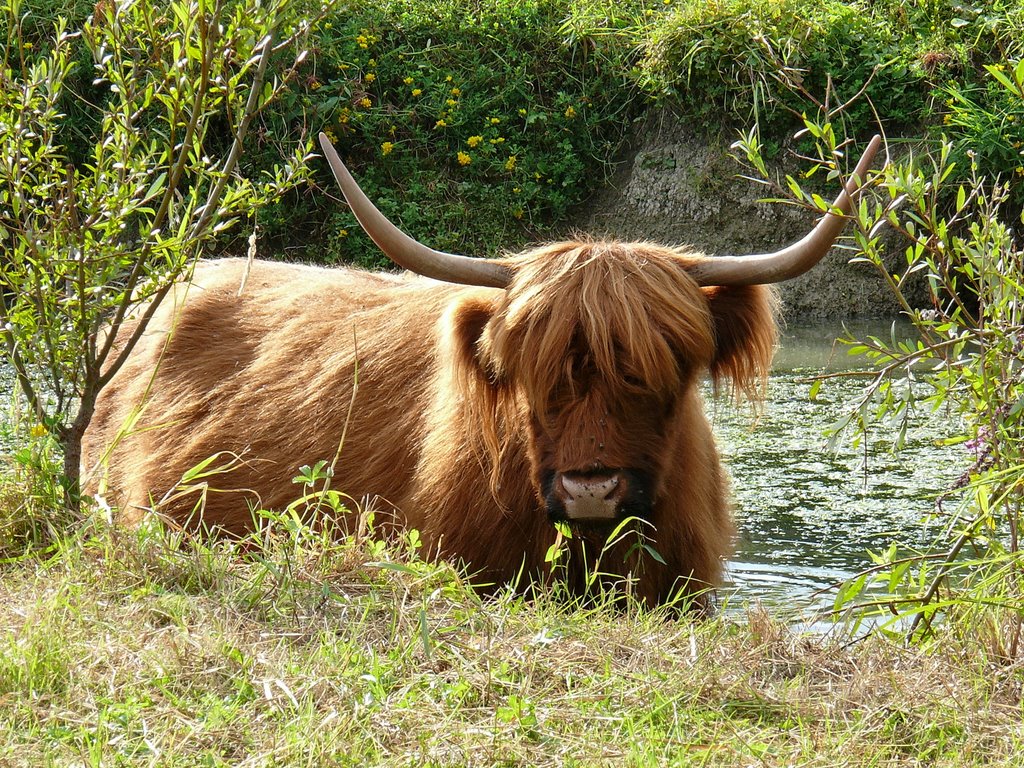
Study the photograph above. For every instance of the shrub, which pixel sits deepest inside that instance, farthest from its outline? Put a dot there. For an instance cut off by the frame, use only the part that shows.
(565, 81)
(988, 122)
(89, 235)
(920, 70)
(472, 125)
(966, 358)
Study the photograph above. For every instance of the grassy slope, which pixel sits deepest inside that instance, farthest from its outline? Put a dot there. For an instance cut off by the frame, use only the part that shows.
(722, 65)
(117, 649)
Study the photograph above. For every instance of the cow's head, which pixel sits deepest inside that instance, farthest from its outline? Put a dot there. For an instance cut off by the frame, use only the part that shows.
(599, 344)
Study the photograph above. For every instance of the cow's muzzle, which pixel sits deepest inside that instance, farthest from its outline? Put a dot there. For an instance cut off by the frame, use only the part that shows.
(596, 497)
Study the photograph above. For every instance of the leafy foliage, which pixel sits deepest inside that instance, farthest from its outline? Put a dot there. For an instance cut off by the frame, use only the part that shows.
(966, 359)
(923, 69)
(88, 239)
(989, 122)
(469, 124)
(544, 93)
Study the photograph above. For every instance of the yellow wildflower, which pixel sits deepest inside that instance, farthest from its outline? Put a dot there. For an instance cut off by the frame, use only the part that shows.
(464, 159)
(474, 140)
(440, 124)
(456, 92)
(370, 77)
(38, 431)
(361, 40)
(499, 140)
(495, 120)
(451, 102)
(408, 81)
(342, 233)
(365, 102)
(416, 91)
(510, 164)
(386, 148)
(570, 112)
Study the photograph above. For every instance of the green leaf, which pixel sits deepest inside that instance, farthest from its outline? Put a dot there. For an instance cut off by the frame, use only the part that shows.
(396, 567)
(653, 553)
(428, 645)
(812, 395)
(199, 470)
(1003, 79)
(156, 187)
(849, 591)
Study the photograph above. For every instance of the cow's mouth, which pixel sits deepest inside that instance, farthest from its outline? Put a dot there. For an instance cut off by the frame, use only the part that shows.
(597, 498)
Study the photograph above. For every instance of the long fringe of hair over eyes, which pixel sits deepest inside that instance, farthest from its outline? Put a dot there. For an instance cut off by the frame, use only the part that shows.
(627, 313)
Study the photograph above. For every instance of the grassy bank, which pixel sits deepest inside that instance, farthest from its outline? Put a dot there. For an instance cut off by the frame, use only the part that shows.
(481, 126)
(117, 648)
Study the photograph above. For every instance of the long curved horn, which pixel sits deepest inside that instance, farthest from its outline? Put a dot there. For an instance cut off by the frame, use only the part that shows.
(794, 259)
(401, 248)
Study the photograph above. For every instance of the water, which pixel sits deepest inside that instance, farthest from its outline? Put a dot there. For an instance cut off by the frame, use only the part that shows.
(807, 514)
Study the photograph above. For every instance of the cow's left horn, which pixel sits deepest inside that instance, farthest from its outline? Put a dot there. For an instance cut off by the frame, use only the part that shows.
(795, 259)
(401, 248)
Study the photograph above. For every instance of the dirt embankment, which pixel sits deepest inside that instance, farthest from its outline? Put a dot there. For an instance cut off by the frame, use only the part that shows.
(679, 185)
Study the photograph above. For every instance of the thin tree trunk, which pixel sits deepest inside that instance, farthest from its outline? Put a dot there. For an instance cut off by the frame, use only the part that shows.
(71, 441)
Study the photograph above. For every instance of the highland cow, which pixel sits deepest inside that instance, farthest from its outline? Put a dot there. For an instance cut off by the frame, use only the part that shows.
(479, 401)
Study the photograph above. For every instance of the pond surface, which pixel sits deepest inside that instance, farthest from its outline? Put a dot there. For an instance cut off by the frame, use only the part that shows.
(806, 513)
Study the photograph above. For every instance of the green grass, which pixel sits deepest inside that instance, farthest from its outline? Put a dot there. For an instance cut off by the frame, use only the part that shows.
(123, 647)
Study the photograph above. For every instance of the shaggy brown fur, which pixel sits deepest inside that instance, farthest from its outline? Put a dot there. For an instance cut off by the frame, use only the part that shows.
(466, 397)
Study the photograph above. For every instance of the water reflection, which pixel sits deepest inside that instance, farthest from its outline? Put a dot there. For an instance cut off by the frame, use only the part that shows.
(806, 515)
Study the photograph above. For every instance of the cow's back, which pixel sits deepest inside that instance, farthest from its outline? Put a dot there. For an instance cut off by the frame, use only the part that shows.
(261, 376)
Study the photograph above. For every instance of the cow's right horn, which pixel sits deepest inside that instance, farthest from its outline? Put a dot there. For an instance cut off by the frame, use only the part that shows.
(794, 259)
(404, 250)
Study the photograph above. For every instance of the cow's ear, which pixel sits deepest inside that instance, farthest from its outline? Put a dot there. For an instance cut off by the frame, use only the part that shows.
(745, 335)
(468, 320)
(482, 393)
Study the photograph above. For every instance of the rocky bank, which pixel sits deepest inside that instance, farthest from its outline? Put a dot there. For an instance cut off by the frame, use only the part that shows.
(678, 184)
